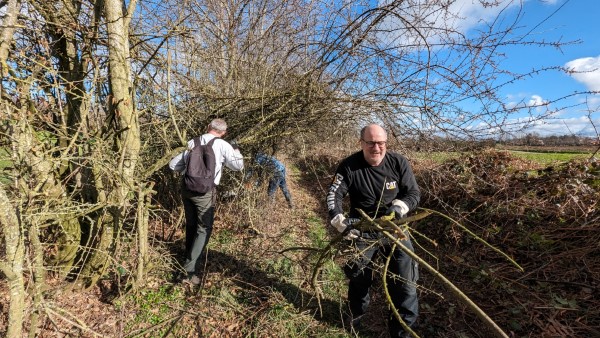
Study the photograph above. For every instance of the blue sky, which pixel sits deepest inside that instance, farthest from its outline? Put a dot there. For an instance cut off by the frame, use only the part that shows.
(564, 20)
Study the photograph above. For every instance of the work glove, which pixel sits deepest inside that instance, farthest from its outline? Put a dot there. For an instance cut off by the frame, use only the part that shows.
(399, 208)
(352, 234)
(342, 225)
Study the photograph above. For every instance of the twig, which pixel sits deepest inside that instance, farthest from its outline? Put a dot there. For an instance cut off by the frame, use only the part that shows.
(319, 265)
(592, 287)
(476, 237)
(75, 322)
(296, 248)
(363, 226)
(389, 297)
(457, 292)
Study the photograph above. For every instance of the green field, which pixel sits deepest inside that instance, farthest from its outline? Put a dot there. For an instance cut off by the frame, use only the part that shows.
(436, 156)
(547, 158)
(542, 156)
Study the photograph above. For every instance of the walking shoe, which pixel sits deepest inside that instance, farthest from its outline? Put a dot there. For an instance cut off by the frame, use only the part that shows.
(191, 279)
(353, 324)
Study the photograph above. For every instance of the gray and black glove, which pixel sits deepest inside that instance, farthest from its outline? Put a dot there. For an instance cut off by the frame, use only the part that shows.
(399, 208)
(342, 225)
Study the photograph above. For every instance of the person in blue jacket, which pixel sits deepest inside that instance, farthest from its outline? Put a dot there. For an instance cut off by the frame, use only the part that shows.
(274, 170)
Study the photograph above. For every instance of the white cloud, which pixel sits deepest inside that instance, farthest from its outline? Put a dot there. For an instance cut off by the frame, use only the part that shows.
(459, 17)
(587, 71)
(593, 103)
(521, 102)
(535, 100)
(580, 126)
(471, 13)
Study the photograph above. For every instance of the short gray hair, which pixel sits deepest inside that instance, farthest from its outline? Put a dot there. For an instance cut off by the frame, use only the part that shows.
(218, 124)
(364, 130)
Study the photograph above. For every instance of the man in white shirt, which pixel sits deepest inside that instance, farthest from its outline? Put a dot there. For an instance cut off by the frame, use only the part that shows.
(199, 207)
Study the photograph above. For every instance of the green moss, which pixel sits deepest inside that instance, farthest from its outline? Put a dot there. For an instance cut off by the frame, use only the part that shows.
(5, 166)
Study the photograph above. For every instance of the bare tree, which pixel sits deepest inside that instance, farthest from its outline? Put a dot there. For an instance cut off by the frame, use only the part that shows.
(65, 180)
(94, 93)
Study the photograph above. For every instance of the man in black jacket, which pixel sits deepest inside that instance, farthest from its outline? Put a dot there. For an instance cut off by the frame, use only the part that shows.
(378, 183)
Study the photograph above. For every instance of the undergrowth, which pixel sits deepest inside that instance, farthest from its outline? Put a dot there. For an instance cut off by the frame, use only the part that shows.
(545, 218)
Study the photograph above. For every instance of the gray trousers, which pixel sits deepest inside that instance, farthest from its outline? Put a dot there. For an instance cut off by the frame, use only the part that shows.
(199, 218)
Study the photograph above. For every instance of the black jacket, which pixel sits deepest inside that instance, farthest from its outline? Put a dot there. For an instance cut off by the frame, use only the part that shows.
(372, 189)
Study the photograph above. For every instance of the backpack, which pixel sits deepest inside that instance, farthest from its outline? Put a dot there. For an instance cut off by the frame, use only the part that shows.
(199, 175)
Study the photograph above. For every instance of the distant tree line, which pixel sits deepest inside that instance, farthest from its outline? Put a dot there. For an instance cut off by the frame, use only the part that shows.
(440, 143)
(535, 139)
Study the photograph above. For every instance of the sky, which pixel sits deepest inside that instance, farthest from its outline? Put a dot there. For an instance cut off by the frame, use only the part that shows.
(552, 20)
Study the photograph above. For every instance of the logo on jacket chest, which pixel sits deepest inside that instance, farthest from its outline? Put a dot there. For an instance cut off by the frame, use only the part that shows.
(391, 185)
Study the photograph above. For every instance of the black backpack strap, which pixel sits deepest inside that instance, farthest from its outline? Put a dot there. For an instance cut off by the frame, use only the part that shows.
(197, 141)
(210, 143)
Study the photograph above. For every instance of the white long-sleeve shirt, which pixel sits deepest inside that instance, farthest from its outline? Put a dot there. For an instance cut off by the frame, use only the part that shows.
(224, 154)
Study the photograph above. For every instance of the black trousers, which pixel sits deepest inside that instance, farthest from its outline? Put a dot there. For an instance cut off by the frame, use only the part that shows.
(401, 279)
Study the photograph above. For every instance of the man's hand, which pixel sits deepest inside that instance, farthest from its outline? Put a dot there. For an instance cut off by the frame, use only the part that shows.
(399, 208)
(234, 145)
(342, 225)
(339, 222)
(352, 234)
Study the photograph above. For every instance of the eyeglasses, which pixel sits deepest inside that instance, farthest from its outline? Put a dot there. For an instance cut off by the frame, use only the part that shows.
(372, 144)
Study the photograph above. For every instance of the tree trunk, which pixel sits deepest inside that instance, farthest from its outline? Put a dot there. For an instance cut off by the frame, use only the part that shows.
(13, 266)
(144, 199)
(38, 272)
(127, 139)
(8, 31)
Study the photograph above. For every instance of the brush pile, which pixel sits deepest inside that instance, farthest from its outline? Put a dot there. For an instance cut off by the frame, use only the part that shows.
(547, 219)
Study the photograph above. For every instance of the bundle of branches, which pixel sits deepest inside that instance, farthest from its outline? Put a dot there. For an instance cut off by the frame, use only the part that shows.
(396, 231)
(546, 218)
